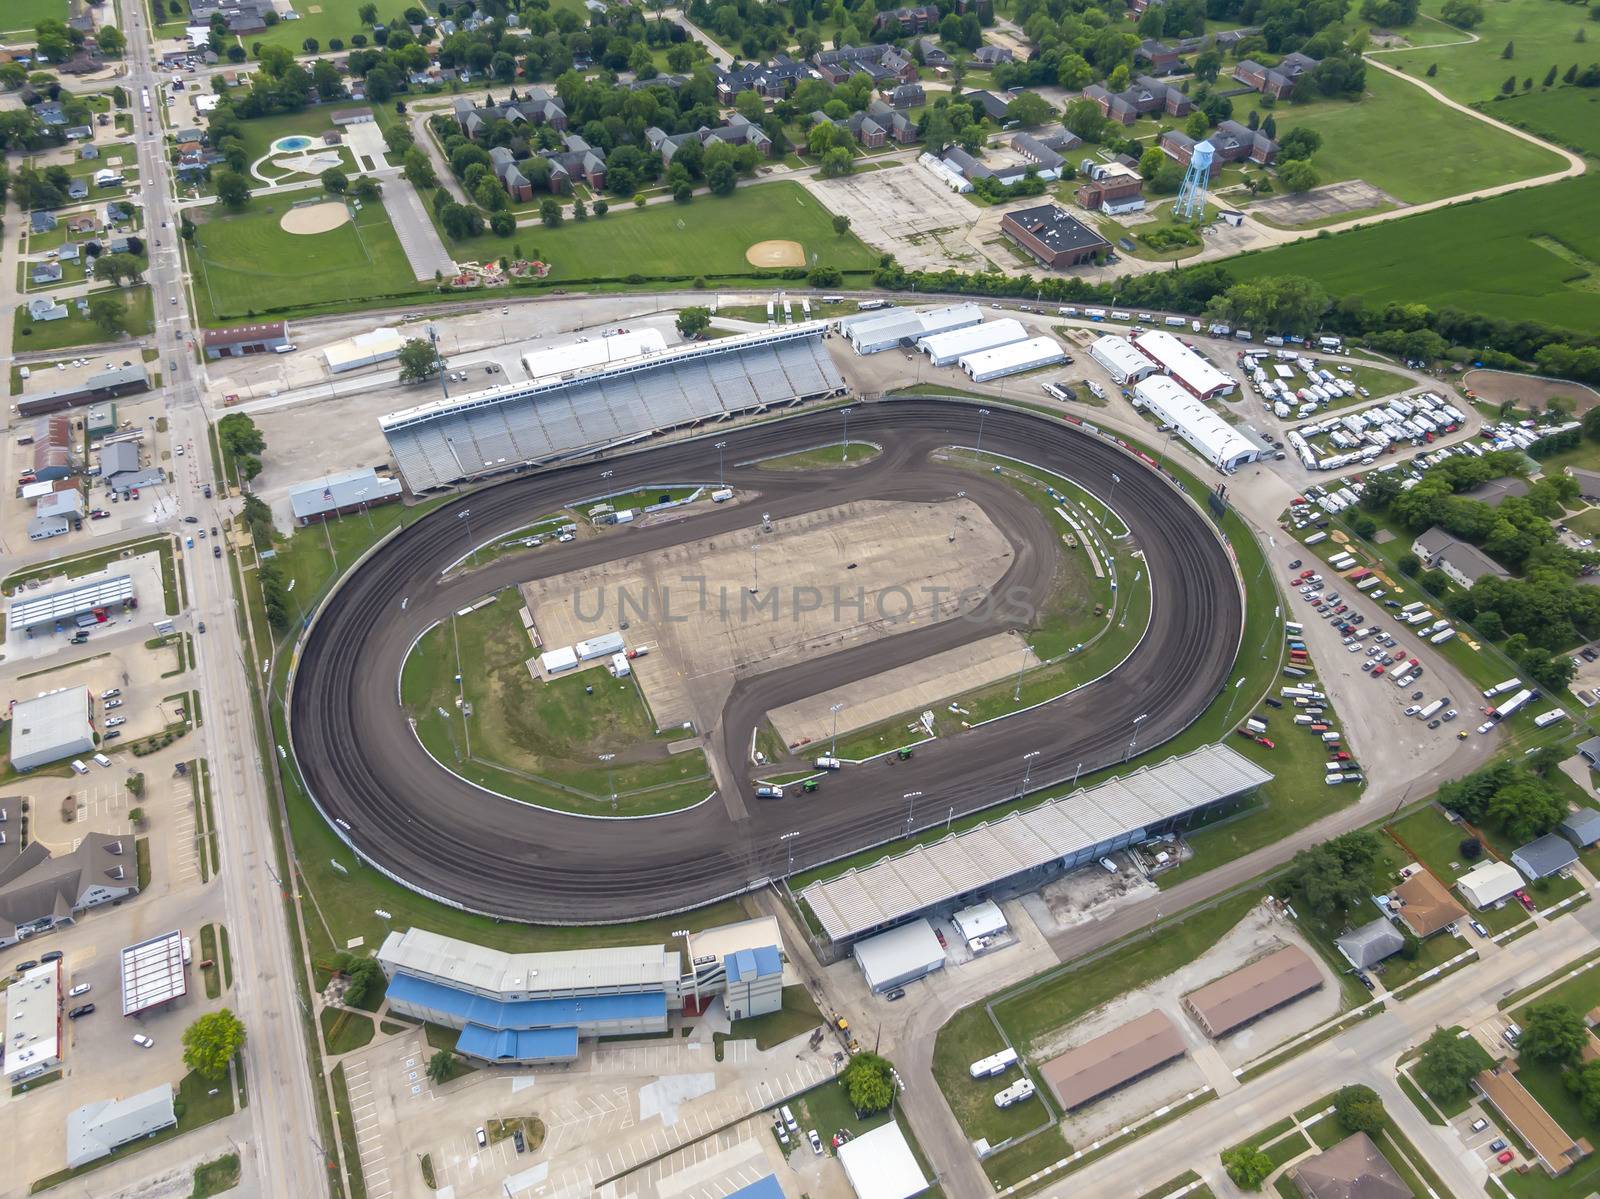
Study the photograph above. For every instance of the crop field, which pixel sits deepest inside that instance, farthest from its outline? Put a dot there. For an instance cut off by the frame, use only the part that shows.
(245, 263)
(1540, 33)
(1568, 115)
(1376, 140)
(708, 236)
(1533, 255)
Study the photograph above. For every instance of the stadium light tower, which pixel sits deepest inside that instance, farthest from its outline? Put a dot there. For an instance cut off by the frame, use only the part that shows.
(1191, 203)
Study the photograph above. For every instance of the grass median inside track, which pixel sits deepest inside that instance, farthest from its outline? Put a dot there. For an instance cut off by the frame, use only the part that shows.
(824, 457)
(541, 742)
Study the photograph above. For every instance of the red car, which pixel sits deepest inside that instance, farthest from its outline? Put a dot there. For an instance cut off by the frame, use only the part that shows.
(1524, 899)
(940, 934)
(1264, 742)
(1339, 755)
(1505, 1158)
(1377, 670)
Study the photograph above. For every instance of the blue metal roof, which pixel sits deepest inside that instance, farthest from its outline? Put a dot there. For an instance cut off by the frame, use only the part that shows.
(531, 1045)
(750, 964)
(525, 1013)
(761, 1188)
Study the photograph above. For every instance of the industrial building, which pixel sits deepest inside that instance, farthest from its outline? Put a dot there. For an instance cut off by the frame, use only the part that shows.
(593, 353)
(529, 1007)
(96, 1129)
(522, 424)
(1121, 361)
(1022, 850)
(1253, 991)
(39, 892)
(153, 973)
(50, 727)
(743, 962)
(1052, 236)
(899, 956)
(1013, 359)
(980, 924)
(127, 379)
(33, 1023)
(1487, 883)
(122, 471)
(1189, 369)
(364, 349)
(873, 332)
(1213, 438)
(240, 341)
(880, 1164)
(334, 495)
(943, 349)
(58, 608)
(1112, 1060)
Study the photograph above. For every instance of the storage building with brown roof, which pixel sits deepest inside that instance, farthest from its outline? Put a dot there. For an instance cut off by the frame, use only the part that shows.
(1265, 985)
(1551, 1144)
(1122, 1056)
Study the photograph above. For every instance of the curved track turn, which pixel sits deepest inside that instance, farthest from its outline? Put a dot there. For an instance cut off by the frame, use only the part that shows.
(436, 833)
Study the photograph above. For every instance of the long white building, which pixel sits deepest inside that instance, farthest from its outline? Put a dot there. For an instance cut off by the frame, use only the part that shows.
(1012, 359)
(873, 332)
(1122, 362)
(943, 349)
(1192, 371)
(1213, 438)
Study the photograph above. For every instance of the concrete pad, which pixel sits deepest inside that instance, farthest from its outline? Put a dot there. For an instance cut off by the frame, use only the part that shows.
(907, 212)
(663, 1097)
(906, 688)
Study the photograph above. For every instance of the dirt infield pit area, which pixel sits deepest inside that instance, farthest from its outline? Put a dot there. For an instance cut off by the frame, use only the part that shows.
(315, 218)
(776, 253)
(1528, 391)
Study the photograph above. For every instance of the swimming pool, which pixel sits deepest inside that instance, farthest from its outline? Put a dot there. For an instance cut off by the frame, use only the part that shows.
(291, 143)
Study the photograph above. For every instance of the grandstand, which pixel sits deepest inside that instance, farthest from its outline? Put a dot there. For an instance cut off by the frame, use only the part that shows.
(524, 424)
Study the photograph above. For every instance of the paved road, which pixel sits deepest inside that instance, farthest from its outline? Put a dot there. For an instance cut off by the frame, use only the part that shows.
(265, 996)
(364, 764)
(418, 238)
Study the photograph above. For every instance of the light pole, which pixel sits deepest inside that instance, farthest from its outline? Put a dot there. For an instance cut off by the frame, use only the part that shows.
(833, 742)
(789, 839)
(1027, 769)
(1115, 479)
(1016, 694)
(366, 507)
(755, 568)
(721, 478)
(1134, 743)
(982, 413)
(610, 781)
(844, 454)
(911, 798)
(466, 515)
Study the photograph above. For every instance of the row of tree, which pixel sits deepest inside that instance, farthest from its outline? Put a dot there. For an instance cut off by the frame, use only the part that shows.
(1513, 796)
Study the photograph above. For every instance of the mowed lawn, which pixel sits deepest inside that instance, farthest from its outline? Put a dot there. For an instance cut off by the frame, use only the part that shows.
(1541, 33)
(1483, 257)
(708, 236)
(1377, 139)
(17, 16)
(1569, 115)
(323, 19)
(245, 263)
(77, 330)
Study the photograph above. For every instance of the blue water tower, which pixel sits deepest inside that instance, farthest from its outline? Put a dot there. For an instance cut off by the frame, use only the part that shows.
(1191, 203)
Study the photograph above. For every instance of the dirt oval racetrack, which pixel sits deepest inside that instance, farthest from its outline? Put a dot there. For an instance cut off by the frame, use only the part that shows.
(425, 827)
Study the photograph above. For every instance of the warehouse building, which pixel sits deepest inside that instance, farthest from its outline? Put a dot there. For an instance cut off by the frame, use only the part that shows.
(33, 1023)
(1190, 370)
(1488, 883)
(874, 332)
(59, 608)
(334, 495)
(980, 924)
(364, 349)
(1213, 438)
(526, 1008)
(880, 1165)
(1121, 361)
(1253, 991)
(1023, 850)
(1013, 359)
(523, 424)
(1052, 236)
(943, 349)
(899, 956)
(1113, 1060)
(50, 727)
(127, 379)
(96, 1129)
(240, 341)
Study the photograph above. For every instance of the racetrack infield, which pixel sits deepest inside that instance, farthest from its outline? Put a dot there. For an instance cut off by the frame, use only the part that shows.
(364, 768)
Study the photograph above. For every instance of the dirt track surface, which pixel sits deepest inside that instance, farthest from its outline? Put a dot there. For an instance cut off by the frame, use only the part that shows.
(440, 835)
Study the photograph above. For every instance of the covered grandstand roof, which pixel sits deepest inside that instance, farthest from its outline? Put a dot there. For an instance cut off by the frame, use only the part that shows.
(519, 424)
(525, 1013)
(593, 352)
(890, 890)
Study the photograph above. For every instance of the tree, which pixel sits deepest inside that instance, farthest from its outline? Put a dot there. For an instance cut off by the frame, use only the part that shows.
(1198, 125)
(1524, 810)
(1470, 849)
(233, 189)
(722, 178)
(868, 1084)
(1030, 109)
(1409, 564)
(364, 983)
(580, 211)
(1300, 142)
(1247, 1166)
(694, 321)
(367, 14)
(601, 208)
(837, 162)
(210, 1043)
(841, 226)
(106, 312)
(335, 181)
(1359, 1109)
(239, 434)
(418, 360)
(1298, 175)
(136, 817)
(366, 189)
(1510, 51)
(1463, 14)
(1554, 1033)
(440, 1066)
(1509, 86)
(550, 214)
(1335, 876)
(135, 784)
(1448, 1064)
(502, 223)
(110, 40)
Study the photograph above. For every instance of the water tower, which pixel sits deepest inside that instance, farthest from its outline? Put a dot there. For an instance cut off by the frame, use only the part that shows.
(1191, 203)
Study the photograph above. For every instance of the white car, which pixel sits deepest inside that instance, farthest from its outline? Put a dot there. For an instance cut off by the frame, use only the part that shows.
(116, 722)
(111, 693)
(816, 1141)
(142, 1041)
(80, 989)
(113, 703)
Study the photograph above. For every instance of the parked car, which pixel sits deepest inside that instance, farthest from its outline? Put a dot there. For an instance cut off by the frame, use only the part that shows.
(1505, 1158)
(483, 1138)
(116, 721)
(80, 989)
(1479, 1124)
(142, 1041)
(1524, 899)
(83, 1009)
(1497, 1145)
(1478, 928)
(816, 1141)
(897, 993)
(111, 693)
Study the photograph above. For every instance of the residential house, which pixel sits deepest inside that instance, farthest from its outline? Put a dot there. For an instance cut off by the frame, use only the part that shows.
(1588, 480)
(907, 21)
(43, 308)
(773, 81)
(988, 104)
(1370, 944)
(78, 189)
(536, 107)
(41, 222)
(992, 56)
(900, 127)
(1161, 57)
(45, 273)
(1278, 82)
(50, 114)
(735, 131)
(1234, 142)
(868, 133)
(504, 164)
(1179, 147)
(1355, 1168)
(932, 56)
(576, 162)
(80, 133)
(68, 252)
(1425, 904)
(907, 95)
(1145, 95)
(1462, 562)
(88, 153)
(82, 222)
(108, 177)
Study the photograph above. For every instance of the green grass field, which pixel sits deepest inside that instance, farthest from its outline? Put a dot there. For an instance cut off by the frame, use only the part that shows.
(18, 16)
(76, 330)
(1569, 115)
(245, 263)
(322, 20)
(1491, 256)
(708, 236)
(1377, 140)
(1541, 33)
